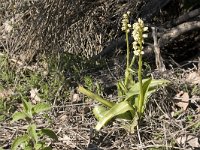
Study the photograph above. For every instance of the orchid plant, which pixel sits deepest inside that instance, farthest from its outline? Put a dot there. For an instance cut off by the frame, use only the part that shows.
(133, 95)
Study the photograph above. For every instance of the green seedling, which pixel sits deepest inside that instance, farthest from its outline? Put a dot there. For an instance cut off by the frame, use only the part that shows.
(33, 139)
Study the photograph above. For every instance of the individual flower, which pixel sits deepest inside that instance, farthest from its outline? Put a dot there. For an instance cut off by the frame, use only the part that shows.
(136, 52)
(135, 46)
(145, 35)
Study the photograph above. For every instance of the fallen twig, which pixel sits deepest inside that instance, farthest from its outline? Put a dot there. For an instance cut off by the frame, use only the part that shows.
(173, 33)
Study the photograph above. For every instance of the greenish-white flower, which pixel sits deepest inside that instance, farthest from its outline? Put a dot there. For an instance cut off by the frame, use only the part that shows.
(145, 35)
(135, 47)
(145, 29)
(125, 22)
(138, 36)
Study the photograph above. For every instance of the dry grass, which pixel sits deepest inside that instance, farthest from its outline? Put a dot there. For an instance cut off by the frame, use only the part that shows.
(78, 27)
(163, 123)
(84, 27)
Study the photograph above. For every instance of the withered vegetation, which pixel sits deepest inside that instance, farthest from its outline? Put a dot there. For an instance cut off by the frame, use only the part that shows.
(79, 27)
(92, 29)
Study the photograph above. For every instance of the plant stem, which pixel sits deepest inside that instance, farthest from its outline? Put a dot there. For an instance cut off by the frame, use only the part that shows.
(128, 51)
(141, 99)
(127, 59)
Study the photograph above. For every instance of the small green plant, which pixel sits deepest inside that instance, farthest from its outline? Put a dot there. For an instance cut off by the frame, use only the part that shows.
(133, 96)
(89, 84)
(6, 75)
(33, 139)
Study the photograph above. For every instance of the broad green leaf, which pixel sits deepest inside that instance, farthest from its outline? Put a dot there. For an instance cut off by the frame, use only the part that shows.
(130, 83)
(18, 115)
(25, 145)
(145, 87)
(135, 103)
(99, 112)
(117, 109)
(28, 148)
(28, 108)
(154, 84)
(18, 141)
(49, 133)
(32, 132)
(27, 105)
(40, 107)
(95, 97)
(152, 87)
(121, 88)
(126, 116)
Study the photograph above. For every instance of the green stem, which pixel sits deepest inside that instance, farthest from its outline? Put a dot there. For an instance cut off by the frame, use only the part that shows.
(128, 51)
(127, 60)
(141, 98)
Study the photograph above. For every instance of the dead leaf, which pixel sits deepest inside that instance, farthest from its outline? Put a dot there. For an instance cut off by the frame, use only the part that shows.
(75, 97)
(8, 26)
(34, 96)
(182, 100)
(63, 118)
(68, 141)
(193, 141)
(6, 93)
(193, 78)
